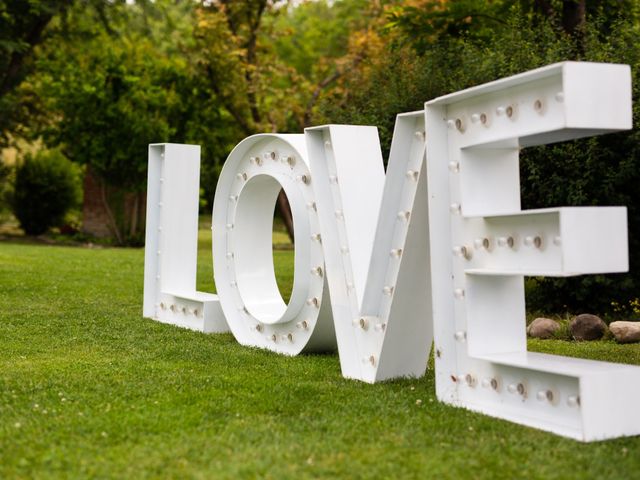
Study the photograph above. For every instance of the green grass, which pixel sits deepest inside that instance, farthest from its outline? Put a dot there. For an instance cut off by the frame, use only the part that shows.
(283, 258)
(90, 389)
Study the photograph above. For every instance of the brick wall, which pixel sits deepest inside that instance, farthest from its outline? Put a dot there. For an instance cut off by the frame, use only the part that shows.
(95, 220)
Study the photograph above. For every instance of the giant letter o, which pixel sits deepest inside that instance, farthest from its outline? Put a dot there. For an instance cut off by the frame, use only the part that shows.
(247, 190)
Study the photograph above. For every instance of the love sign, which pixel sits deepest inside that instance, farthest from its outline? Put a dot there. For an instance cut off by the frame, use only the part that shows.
(433, 252)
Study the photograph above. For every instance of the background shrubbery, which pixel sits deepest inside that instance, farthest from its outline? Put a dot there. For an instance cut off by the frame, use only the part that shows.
(103, 79)
(602, 170)
(47, 186)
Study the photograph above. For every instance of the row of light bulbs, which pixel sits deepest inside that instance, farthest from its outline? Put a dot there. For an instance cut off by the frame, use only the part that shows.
(177, 308)
(544, 395)
(486, 244)
(158, 252)
(508, 111)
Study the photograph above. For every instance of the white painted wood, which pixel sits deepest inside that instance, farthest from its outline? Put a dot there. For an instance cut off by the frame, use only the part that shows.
(426, 251)
(374, 234)
(482, 246)
(246, 193)
(170, 294)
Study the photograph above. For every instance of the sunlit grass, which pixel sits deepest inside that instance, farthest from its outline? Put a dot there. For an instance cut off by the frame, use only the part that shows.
(282, 253)
(90, 389)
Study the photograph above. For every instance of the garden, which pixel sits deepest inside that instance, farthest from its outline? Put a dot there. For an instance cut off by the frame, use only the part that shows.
(90, 389)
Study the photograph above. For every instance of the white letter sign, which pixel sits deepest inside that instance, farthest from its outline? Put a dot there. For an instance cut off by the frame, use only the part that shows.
(375, 237)
(171, 244)
(482, 246)
(247, 189)
(436, 247)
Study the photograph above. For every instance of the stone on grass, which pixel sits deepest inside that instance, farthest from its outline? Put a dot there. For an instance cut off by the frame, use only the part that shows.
(587, 327)
(542, 328)
(625, 332)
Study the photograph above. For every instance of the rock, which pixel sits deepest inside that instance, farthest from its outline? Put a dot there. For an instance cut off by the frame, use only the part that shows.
(542, 328)
(625, 332)
(587, 327)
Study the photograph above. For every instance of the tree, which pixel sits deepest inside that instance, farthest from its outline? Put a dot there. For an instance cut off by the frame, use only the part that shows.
(209, 73)
(422, 22)
(112, 93)
(267, 64)
(320, 43)
(414, 67)
(22, 28)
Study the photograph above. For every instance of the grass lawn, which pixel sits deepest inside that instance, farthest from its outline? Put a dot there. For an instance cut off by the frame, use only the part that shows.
(90, 389)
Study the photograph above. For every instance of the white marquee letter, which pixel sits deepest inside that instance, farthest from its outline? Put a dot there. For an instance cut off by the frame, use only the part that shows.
(256, 170)
(375, 236)
(171, 245)
(437, 247)
(482, 246)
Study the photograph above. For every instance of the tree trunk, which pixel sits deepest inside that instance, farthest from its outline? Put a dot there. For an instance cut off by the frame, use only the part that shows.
(133, 224)
(285, 212)
(544, 7)
(574, 15)
(112, 220)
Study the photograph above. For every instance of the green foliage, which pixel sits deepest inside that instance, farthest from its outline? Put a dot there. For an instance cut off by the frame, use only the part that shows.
(116, 80)
(422, 25)
(603, 170)
(101, 79)
(266, 63)
(47, 186)
(22, 28)
(112, 94)
(111, 105)
(113, 77)
(312, 35)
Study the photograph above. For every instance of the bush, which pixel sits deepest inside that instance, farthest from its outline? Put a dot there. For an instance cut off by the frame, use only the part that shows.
(603, 170)
(47, 186)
